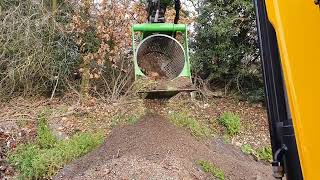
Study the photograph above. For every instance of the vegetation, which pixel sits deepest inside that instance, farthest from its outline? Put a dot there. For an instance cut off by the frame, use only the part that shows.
(226, 47)
(209, 168)
(88, 49)
(247, 149)
(125, 119)
(231, 122)
(264, 153)
(82, 48)
(36, 57)
(42, 158)
(183, 119)
(46, 139)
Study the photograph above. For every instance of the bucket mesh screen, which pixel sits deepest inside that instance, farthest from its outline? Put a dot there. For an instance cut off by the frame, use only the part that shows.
(162, 56)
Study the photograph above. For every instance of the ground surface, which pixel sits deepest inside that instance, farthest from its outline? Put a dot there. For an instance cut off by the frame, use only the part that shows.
(155, 149)
(151, 145)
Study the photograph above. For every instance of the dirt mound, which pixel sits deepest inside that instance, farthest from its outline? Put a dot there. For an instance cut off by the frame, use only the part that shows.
(153, 148)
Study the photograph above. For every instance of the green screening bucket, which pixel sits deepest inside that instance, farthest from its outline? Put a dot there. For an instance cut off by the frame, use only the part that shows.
(162, 66)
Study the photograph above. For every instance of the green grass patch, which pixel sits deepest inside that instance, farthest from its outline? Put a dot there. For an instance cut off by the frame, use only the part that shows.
(183, 119)
(125, 119)
(210, 168)
(247, 149)
(46, 139)
(264, 153)
(231, 122)
(42, 158)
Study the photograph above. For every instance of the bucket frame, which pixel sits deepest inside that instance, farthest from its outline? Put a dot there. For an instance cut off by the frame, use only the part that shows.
(161, 28)
(169, 29)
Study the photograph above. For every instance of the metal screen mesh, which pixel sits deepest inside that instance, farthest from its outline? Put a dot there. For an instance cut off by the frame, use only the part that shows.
(161, 55)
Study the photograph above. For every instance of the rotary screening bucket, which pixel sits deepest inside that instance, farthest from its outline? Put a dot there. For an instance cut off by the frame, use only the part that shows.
(162, 67)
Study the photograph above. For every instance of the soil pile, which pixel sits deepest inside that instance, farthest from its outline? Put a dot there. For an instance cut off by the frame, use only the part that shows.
(153, 148)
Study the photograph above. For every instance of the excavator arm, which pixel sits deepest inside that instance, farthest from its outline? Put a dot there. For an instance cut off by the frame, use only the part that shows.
(157, 8)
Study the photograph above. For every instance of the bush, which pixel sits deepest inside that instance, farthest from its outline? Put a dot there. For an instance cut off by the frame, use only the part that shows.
(43, 52)
(44, 157)
(231, 122)
(36, 55)
(225, 47)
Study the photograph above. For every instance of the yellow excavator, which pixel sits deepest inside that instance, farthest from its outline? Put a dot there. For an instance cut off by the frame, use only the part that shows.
(289, 33)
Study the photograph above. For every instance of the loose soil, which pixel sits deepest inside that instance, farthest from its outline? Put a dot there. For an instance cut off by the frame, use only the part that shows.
(153, 148)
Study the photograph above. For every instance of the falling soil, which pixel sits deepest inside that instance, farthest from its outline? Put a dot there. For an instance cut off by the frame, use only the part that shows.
(178, 83)
(151, 67)
(153, 148)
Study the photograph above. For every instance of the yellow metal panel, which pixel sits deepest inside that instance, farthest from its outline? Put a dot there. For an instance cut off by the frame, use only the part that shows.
(297, 24)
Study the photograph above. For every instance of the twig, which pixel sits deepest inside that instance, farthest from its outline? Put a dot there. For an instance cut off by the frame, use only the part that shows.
(55, 88)
(64, 115)
(18, 115)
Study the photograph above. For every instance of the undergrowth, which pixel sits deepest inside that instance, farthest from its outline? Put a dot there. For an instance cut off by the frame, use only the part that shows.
(42, 158)
(264, 153)
(231, 122)
(210, 168)
(183, 119)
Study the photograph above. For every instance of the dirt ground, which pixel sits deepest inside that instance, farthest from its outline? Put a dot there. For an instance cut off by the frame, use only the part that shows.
(152, 147)
(155, 149)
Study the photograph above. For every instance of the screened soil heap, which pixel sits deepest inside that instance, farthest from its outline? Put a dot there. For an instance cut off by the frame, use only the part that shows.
(153, 148)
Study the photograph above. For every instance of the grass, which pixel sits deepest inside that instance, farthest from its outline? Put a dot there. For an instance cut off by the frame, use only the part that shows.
(209, 168)
(264, 153)
(125, 119)
(42, 158)
(46, 139)
(183, 119)
(247, 149)
(231, 122)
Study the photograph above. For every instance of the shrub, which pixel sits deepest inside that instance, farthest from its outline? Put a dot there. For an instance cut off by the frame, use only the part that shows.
(225, 47)
(36, 55)
(231, 122)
